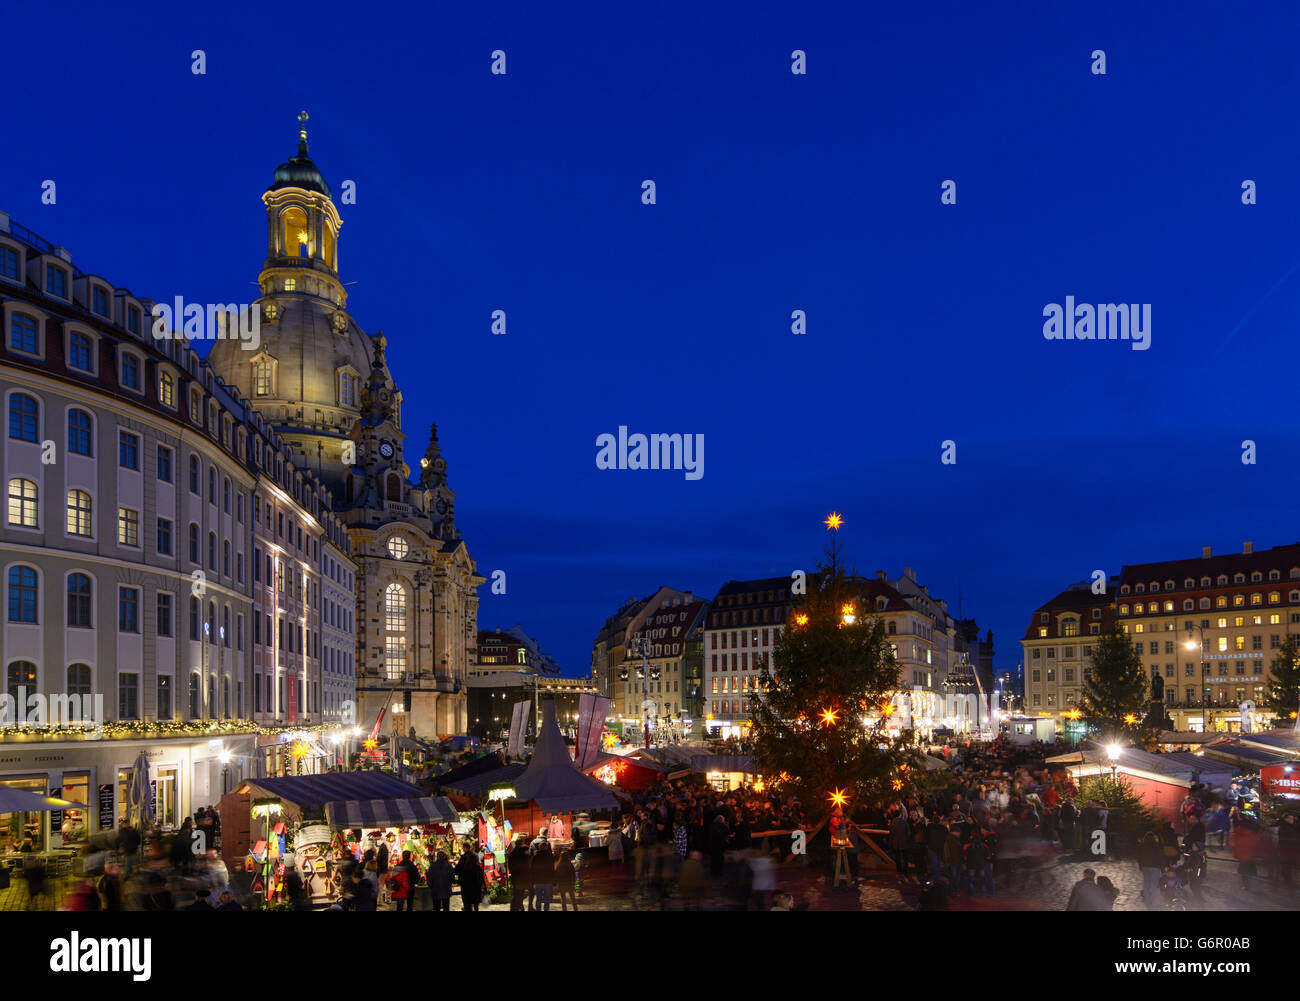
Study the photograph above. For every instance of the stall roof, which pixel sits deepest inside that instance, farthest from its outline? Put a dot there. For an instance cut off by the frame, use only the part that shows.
(483, 763)
(308, 794)
(1277, 741)
(1234, 752)
(1179, 767)
(365, 813)
(1185, 737)
(723, 763)
(553, 781)
(477, 785)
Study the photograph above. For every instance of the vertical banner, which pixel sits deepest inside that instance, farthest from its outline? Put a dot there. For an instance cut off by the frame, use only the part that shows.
(518, 724)
(591, 722)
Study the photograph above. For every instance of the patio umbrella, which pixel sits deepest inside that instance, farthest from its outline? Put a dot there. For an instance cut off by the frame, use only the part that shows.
(22, 801)
(138, 793)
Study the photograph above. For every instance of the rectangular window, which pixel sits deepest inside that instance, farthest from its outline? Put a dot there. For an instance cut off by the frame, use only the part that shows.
(164, 464)
(164, 615)
(128, 527)
(99, 300)
(164, 537)
(9, 263)
(128, 610)
(56, 281)
(164, 697)
(128, 450)
(128, 696)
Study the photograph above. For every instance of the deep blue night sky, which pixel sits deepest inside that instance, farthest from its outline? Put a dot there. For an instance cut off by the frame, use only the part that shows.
(775, 192)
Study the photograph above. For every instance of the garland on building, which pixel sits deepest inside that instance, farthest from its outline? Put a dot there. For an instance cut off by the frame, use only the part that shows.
(145, 728)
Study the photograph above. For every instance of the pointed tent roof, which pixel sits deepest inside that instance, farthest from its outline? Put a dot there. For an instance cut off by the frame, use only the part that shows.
(553, 781)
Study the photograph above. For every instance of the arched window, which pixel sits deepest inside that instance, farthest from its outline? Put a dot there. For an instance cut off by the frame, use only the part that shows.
(194, 474)
(20, 674)
(23, 417)
(23, 505)
(80, 594)
(394, 487)
(79, 433)
(194, 544)
(225, 695)
(22, 594)
(262, 378)
(395, 631)
(79, 680)
(225, 495)
(79, 514)
(166, 389)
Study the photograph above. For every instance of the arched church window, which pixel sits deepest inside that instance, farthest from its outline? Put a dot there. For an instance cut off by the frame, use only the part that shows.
(394, 487)
(395, 631)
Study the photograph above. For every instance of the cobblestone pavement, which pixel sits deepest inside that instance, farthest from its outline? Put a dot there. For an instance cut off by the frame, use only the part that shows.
(881, 889)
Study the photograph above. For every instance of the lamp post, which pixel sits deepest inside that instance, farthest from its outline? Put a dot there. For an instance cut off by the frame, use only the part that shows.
(1113, 752)
(224, 757)
(1192, 644)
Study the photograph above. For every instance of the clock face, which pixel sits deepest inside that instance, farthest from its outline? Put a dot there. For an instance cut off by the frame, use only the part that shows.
(386, 449)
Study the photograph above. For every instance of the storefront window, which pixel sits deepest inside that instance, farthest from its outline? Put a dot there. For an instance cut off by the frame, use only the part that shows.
(76, 822)
(165, 789)
(23, 830)
(123, 805)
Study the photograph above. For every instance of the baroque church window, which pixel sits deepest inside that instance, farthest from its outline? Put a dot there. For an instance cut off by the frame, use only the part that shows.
(395, 632)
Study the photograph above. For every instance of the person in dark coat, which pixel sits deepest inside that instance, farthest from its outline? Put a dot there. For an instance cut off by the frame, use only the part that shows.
(200, 902)
(363, 892)
(470, 875)
(517, 865)
(718, 835)
(1068, 818)
(440, 874)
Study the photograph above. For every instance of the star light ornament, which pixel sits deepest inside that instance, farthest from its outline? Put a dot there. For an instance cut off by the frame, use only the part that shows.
(1130, 719)
(830, 717)
(833, 521)
(838, 798)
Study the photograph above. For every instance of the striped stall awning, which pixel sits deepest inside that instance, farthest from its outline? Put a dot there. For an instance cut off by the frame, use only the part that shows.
(416, 811)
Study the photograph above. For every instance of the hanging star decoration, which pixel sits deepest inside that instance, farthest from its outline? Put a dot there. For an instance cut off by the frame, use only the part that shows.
(897, 784)
(1130, 718)
(299, 750)
(833, 521)
(838, 798)
(830, 716)
(370, 743)
(887, 709)
(801, 620)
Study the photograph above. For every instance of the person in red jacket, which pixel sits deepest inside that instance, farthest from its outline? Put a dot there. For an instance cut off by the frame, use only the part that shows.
(403, 881)
(1246, 849)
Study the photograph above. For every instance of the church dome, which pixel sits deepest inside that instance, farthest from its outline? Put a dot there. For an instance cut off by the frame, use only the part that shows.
(300, 172)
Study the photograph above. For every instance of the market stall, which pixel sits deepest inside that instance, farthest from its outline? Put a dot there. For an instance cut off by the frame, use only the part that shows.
(270, 824)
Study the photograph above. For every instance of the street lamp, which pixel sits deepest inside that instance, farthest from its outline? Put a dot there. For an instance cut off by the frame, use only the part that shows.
(1113, 752)
(1192, 644)
(224, 757)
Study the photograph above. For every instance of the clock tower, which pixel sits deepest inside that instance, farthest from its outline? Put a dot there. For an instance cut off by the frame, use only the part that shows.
(324, 384)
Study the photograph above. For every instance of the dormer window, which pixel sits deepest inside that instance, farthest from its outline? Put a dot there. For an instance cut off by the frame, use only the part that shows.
(166, 389)
(8, 263)
(23, 337)
(133, 319)
(81, 354)
(99, 300)
(56, 281)
(130, 372)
